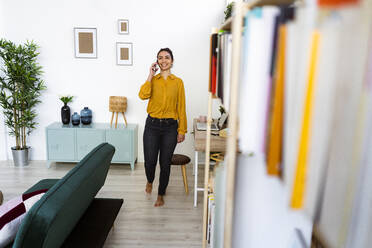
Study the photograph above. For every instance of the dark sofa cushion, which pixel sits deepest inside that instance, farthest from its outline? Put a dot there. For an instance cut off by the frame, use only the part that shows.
(54, 216)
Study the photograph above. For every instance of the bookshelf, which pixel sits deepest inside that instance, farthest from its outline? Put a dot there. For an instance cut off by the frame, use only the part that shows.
(326, 69)
(235, 25)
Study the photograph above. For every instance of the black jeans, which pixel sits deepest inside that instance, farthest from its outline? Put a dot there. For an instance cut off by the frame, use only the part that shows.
(159, 135)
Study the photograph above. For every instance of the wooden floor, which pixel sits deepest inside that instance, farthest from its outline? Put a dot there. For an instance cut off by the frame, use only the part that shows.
(139, 224)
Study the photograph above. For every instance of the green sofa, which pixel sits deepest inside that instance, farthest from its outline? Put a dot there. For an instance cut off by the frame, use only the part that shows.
(62, 213)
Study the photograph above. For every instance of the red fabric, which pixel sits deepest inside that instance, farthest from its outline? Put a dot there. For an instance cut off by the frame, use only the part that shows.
(12, 214)
(31, 194)
(19, 209)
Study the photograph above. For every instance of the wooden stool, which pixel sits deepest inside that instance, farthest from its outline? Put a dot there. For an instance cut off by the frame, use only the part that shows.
(118, 104)
(183, 160)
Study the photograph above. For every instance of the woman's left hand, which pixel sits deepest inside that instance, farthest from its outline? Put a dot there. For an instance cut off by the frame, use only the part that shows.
(180, 138)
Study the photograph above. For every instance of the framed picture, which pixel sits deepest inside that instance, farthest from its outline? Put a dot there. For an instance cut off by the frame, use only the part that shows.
(123, 26)
(85, 42)
(124, 53)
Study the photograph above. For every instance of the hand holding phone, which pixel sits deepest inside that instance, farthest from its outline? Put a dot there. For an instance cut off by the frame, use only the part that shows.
(154, 67)
(153, 70)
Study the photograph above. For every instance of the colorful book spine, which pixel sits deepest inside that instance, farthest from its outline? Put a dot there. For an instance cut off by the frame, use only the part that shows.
(297, 199)
(213, 66)
(274, 153)
(336, 3)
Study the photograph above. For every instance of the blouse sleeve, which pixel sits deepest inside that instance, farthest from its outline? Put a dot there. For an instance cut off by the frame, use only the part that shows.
(145, 91)
(181, 109)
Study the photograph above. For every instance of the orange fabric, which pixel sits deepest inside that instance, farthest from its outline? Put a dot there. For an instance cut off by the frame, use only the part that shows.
(336, 3)
(301, 169)
(274, 153)
(166, 99)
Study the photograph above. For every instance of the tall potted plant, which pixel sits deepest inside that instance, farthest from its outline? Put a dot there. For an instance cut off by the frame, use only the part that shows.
(20, 89)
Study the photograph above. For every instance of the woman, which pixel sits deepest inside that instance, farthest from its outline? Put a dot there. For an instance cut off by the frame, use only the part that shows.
(166, 106)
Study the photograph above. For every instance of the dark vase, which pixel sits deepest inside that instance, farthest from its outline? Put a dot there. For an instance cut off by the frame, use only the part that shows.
(75, 119)
(65, 114)
(86, 116)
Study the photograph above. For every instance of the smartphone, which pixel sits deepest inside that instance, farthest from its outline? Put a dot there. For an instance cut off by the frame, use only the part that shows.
(154, 68)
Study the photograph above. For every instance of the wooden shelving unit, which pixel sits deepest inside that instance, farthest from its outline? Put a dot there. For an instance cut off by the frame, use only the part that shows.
(247, 6)
(235, 25)
(206, 169)
(260, 3)
(237, 28)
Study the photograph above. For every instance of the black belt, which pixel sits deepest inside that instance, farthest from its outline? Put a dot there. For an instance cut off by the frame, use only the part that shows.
(162, 120)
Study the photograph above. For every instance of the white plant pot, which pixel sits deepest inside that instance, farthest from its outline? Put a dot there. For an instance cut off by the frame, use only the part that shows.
(20, 157)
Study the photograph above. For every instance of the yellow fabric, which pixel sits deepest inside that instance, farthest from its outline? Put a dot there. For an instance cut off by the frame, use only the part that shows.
(274, 153)
(166, 99)
(300, 179)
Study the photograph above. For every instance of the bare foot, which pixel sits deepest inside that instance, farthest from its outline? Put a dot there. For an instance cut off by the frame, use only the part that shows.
(160, 201)
(148, 189)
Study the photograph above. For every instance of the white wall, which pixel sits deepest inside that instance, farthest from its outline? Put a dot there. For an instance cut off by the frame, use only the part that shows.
(3, 137)
(184, 26)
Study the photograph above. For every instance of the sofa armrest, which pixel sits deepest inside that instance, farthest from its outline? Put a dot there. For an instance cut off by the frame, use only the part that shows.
(42, 184)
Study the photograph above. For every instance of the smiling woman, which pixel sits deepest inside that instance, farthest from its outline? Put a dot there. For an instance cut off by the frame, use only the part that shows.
(166, 123)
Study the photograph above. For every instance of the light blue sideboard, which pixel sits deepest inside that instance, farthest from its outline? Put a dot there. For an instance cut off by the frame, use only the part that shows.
(68, 143)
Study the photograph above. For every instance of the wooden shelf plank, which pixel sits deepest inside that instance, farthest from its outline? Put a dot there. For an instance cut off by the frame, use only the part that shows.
(259, 3)
(226, 25)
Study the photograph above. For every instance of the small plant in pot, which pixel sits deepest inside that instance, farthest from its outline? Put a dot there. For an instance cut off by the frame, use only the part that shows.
(20, 89)
(65, 110)
(229, 10)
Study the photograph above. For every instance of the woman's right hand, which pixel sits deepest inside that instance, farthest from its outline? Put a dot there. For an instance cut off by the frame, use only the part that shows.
(153, 70)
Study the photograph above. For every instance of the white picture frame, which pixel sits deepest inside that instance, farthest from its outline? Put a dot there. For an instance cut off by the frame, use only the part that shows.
(85, 40)
(123, 26)
(124, 53)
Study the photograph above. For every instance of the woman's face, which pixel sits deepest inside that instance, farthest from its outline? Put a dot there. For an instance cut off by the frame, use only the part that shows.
(164, 61)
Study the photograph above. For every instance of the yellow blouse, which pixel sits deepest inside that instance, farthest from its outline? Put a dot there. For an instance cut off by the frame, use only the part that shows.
(167, 99)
